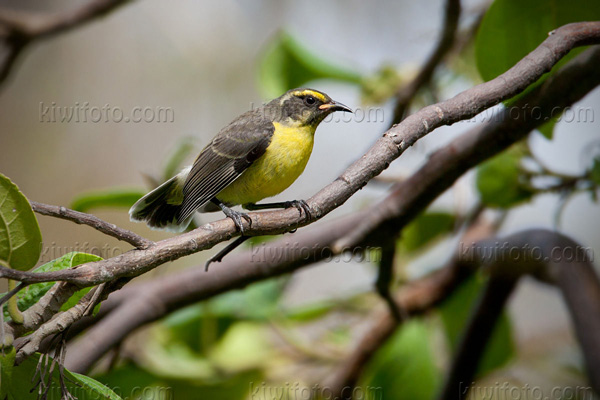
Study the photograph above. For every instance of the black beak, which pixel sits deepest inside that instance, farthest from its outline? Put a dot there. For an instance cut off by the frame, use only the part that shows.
(335, 106)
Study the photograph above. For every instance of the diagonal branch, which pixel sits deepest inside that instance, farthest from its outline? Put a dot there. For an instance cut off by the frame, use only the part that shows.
(558, 92)
(87, 219)
(390, 146)
(131, 309)
(393, 143)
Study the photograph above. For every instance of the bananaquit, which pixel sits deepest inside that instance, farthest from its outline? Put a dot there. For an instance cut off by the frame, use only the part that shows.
(258, 155)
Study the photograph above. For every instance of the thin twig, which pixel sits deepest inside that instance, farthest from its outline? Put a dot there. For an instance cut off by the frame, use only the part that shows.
(393, 143)
(90, 220)
(406, 94)
(18, 30)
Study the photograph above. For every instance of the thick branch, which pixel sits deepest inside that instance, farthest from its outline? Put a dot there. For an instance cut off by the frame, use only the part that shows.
(546, 255)
(447, 164)
(394, 142)
(87, 219)
(439, 173)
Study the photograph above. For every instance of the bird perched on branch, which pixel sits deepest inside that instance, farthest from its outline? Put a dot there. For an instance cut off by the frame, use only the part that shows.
(258, 155)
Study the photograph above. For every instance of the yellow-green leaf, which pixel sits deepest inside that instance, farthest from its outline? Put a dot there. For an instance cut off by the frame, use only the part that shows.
(20, 236)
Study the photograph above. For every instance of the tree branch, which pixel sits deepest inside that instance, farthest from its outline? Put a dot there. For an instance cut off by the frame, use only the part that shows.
(393, 143)
(87, 219)
(386, 149)
(405, 95)
(450, 162)
(411, 196)
(507, 260)
(18, 30)
(415, 299)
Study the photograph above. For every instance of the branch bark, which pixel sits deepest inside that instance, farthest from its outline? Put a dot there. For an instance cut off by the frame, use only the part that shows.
(393, 143)
(390, 146)
(87, 219)
(507, 260)
(410, 196)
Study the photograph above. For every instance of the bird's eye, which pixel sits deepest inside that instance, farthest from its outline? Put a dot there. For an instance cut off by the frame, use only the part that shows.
(309, 100)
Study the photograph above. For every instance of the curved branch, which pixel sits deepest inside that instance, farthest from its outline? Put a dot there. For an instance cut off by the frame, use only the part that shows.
(87, 219)
(410, 196)
(393, 143)
(558, 92)
(507, 260)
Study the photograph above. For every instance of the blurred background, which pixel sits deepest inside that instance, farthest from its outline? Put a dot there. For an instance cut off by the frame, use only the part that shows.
(206, 63)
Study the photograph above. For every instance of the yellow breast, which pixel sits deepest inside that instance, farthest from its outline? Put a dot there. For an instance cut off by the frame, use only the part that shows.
(283, 162)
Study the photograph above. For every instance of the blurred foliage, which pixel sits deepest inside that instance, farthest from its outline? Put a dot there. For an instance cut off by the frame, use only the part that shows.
(287, 64)
(20, 236)
(455, 312)
(32, 293)
(499, 180)
(404, 368)
(108, 198)
(424, 229)
(18, 384)
(126, 197)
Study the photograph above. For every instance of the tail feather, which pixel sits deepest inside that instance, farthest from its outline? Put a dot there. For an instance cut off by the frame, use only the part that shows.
(159, 208)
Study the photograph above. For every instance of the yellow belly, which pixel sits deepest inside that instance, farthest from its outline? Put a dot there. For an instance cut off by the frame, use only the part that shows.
(283, 162)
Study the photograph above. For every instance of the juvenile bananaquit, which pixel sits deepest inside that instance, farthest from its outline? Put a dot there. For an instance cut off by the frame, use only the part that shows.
(258, 155)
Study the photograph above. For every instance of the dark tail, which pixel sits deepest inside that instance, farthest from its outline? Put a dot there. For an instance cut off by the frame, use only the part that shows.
(160, 208)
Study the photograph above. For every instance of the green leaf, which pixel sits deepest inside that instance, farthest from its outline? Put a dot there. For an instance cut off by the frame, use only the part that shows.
(547, 129)
(288, 64)
(7, 362)
(512, 28)
(455, 312)
(183, 149)
(403, 368)
(498, 180)
(595, 171)
(310, 312)
(33, 293)
(20, 236)
(109, 198)
(20, 387)
(425, 228)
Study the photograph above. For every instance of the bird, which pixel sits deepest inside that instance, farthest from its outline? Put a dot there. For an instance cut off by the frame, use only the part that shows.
(256, 156)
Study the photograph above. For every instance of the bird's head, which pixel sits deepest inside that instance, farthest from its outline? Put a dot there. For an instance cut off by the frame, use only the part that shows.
(304, 107)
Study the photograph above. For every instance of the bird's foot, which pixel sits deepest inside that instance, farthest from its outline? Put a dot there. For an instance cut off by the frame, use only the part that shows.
(300, 205)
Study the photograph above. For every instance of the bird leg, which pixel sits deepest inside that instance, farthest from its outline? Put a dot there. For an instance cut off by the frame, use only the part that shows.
(236, 216)
(228, 249)
(300, 205)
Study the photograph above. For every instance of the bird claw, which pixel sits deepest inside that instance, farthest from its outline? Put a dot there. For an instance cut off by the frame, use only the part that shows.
(237, 216)
(300, 205)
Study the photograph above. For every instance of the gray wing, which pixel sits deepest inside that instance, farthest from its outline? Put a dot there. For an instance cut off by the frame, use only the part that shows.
(224, 159)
